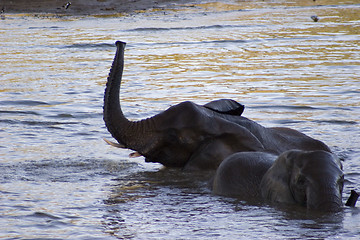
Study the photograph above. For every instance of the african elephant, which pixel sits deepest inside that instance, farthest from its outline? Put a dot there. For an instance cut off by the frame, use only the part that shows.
(308, 178)
(194, 136)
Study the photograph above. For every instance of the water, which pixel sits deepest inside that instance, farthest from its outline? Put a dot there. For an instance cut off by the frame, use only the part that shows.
(60, 180)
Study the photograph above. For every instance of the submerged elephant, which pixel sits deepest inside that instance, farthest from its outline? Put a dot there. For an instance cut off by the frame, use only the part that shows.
(308, 178)
(194, 136)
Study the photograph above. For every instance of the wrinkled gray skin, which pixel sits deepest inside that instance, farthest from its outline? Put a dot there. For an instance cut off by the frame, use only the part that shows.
(194, 136)
(240, 174)
(313, 179)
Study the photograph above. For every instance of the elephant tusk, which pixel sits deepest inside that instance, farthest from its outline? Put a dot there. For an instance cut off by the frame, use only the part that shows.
(132, 155)
(135, 155)
(114, 144)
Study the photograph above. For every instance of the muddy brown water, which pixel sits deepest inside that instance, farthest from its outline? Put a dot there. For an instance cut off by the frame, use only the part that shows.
(59, 179)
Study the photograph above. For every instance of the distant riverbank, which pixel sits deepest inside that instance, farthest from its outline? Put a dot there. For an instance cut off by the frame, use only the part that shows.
(85, 7)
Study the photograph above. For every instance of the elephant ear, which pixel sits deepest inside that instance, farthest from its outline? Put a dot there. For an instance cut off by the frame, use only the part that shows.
(214, 150)
(274, 185)
(226, 106)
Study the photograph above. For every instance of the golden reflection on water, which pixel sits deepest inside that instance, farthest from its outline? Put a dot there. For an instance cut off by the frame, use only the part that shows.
(251, 59)
(264, 51)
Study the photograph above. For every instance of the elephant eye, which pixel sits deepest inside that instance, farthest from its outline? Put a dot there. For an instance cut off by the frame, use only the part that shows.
(341, 183)
(341, 179)
(300, 181)
(298, 189)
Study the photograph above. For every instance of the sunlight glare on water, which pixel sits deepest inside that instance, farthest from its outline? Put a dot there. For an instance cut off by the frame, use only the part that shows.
(60, 180)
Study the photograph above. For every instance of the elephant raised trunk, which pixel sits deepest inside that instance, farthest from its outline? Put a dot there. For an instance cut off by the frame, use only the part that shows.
(123, 130)
(187, 132)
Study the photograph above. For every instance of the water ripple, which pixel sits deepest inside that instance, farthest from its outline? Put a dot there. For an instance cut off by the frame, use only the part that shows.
(24, 103)
(36, 123)
(19, 112)
(340, 122)
(92, 46)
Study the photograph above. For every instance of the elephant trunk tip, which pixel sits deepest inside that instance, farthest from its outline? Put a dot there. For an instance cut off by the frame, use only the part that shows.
(329, 207)
(325, 202)
(119, 43)
(351, 202)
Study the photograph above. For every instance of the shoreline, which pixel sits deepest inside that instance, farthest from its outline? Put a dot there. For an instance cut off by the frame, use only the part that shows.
(86, 7)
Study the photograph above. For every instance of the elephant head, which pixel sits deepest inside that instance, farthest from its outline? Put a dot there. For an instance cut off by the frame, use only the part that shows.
(309, 178)
(186, 134)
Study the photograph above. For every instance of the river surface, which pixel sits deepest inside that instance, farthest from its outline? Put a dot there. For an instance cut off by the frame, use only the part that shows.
(60, 180)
